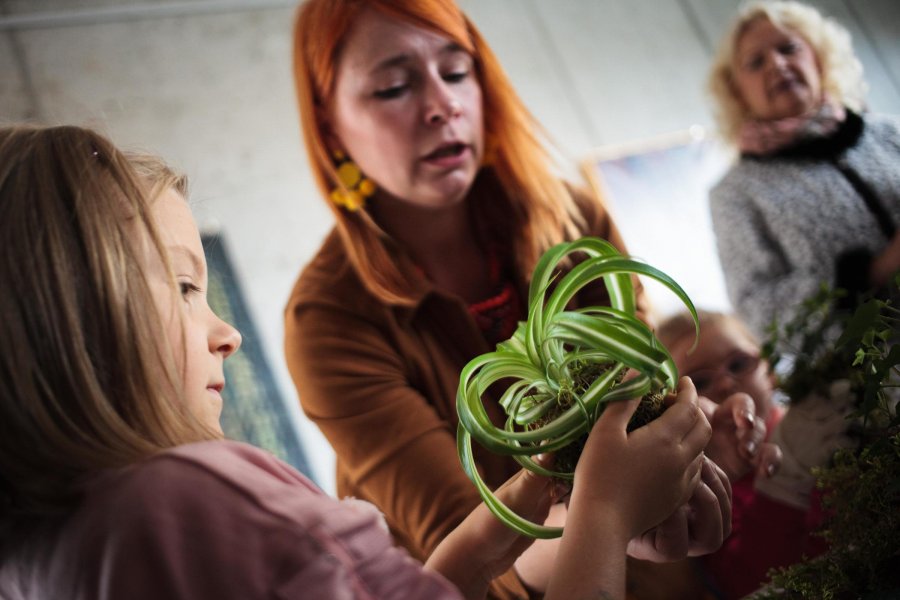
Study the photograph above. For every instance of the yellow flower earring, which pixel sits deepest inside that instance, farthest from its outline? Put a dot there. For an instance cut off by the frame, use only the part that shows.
(355, 187)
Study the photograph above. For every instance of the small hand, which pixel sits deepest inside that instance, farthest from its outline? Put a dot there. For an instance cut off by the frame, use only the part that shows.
(649, 472)
(696, 528)
(738, 443)
(481, 547)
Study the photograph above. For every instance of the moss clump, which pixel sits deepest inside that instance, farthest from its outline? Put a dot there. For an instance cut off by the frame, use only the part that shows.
(583, 375)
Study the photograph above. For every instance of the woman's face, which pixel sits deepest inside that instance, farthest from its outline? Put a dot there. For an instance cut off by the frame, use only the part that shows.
(776, 72)
(199, 339)
(407, 108)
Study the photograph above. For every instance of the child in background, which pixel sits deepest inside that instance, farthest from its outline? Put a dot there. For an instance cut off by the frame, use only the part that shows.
(115, 481)
(737, 390)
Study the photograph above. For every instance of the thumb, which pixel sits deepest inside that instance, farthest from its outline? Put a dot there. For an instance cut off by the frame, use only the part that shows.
(617, 414)
(742, 410)
(528, 494)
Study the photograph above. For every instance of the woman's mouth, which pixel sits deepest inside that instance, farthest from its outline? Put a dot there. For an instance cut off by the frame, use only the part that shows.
(447, 155)
(785, 85)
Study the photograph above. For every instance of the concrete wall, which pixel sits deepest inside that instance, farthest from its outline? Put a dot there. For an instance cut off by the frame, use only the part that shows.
(207, 84)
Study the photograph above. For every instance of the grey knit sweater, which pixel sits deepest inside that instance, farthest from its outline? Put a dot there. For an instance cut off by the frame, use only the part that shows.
(784, 224)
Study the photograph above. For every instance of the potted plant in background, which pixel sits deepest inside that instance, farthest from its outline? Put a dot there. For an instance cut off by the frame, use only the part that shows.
(858, 355)
(562, 367)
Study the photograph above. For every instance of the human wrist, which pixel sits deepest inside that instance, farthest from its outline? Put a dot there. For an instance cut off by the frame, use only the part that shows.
(591, 559)
(458, 560)
(589, 510)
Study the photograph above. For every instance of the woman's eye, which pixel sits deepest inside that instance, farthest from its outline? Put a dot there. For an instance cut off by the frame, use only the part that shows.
(456, 76)
(392, 92)
(788, 48)
(754, 63)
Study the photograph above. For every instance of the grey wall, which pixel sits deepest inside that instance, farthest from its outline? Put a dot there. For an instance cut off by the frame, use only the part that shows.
(207, 84)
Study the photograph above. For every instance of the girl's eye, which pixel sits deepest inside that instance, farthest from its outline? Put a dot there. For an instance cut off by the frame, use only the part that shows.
(186, 288)
(702, 381)
(742, 364)
(392, 92)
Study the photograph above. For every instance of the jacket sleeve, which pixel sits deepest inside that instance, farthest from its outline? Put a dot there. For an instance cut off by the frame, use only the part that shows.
(390, 441)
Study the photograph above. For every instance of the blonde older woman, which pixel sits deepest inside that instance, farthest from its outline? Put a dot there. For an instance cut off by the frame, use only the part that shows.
(815, 195)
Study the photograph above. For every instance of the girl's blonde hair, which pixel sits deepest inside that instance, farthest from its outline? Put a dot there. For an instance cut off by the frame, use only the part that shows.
(842, 73)
(680, 326)
(536, 204)
(85, 383)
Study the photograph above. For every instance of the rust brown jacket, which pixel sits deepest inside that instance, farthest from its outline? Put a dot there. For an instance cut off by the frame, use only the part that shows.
(380, 382)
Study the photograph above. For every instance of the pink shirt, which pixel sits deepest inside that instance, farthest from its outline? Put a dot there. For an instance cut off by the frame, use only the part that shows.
(218, 520)
(765, 534)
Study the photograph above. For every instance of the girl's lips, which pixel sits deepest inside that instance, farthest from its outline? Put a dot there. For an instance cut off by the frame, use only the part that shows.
(448, 155)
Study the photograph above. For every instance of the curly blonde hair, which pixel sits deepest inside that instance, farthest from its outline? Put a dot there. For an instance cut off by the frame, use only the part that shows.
(842, 73)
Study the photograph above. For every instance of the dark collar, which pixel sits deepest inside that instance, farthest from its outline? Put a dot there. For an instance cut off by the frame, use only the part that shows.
(846, 136)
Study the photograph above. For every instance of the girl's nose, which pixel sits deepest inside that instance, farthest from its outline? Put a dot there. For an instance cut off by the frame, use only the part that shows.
(723, 386)
(225, 339)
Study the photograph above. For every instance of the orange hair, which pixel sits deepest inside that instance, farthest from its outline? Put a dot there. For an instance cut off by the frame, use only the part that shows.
(534, 201)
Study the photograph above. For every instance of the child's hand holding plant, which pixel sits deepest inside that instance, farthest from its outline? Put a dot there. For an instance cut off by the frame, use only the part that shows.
(566, 368)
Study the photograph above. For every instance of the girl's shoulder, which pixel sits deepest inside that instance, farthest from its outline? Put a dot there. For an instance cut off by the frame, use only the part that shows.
(182, 480)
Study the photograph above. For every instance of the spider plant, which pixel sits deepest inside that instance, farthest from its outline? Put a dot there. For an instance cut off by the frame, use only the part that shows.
(563, 367)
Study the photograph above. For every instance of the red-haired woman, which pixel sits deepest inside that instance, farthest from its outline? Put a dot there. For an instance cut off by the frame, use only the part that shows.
(444, 199)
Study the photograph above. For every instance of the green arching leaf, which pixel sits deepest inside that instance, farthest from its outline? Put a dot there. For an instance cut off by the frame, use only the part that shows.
(598, 389)
(500, 510)
(591, 269)
(630, 350)
(543, 272)
(618, 285)
(534, 467)
(633, 388)
(534, 333)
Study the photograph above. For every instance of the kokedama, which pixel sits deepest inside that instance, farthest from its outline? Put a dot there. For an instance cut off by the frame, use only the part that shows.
(563, 367)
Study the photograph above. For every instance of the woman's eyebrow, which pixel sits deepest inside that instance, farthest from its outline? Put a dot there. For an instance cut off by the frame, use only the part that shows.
(403, 58)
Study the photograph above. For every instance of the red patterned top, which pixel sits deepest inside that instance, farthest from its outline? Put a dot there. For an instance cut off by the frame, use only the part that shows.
(498, 316)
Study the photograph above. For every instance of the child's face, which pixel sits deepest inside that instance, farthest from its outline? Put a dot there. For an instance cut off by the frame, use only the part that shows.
(725, 361)
(199, 339)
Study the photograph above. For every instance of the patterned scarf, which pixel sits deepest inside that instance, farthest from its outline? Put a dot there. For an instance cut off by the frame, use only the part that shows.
(761, 138)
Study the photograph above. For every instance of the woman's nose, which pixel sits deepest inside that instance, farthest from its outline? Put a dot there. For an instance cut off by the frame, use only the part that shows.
(777, 60)
(442, 105)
